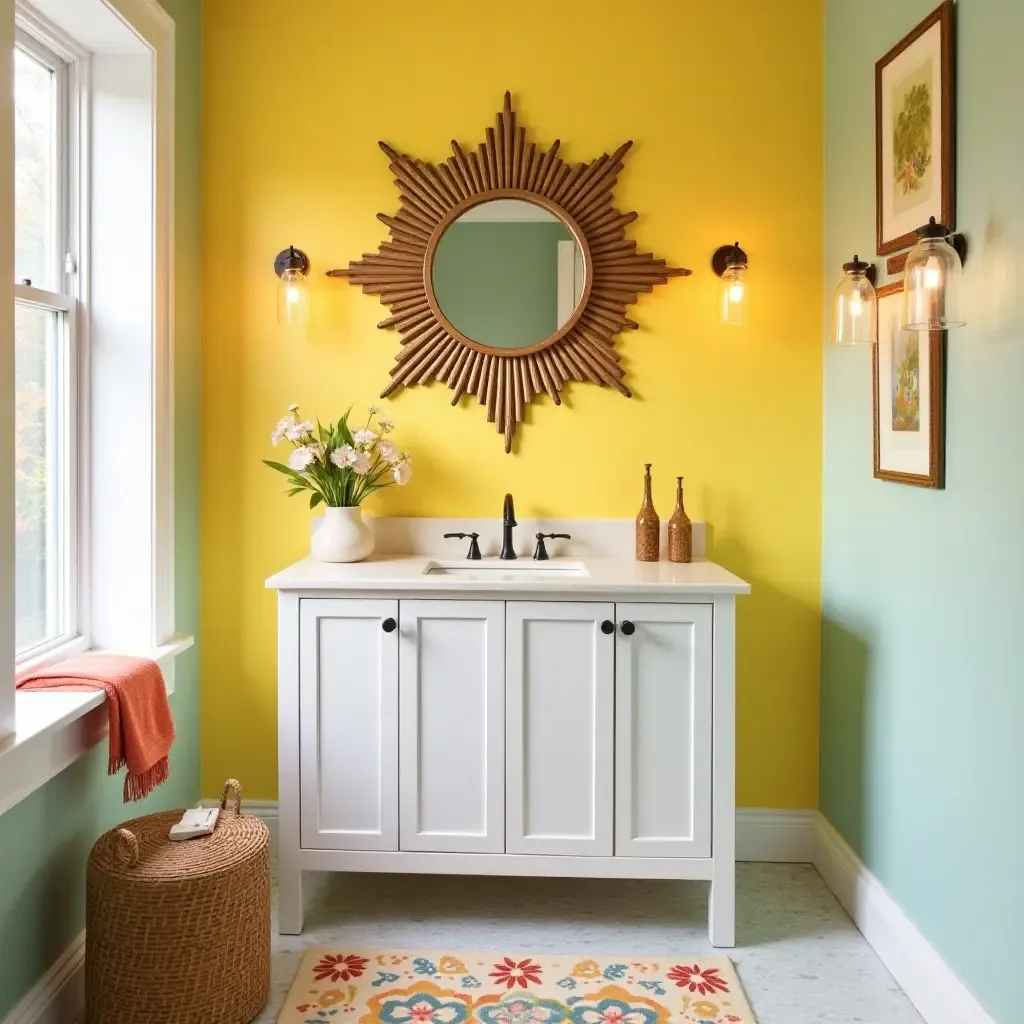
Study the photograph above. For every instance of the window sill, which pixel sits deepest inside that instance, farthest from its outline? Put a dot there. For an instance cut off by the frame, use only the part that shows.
(55, 729)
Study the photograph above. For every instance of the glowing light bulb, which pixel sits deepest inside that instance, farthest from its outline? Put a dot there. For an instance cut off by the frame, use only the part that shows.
(736, 292)
(856, 306)
(292, 288)
(932, 273)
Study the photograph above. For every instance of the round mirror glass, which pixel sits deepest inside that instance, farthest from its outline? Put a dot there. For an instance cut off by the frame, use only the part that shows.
(508, 273)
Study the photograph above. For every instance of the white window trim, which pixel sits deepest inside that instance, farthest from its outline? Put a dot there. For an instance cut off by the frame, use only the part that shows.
(30, 26)
(46, 742)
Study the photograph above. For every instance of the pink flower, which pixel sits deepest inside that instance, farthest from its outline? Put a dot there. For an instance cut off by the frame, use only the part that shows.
(301, 458)
(344, 456)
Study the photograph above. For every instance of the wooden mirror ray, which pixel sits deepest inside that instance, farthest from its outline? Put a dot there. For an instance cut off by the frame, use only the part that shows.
(506, 166)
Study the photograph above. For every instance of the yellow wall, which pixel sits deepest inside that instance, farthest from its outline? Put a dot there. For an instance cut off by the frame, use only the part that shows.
(724, 104)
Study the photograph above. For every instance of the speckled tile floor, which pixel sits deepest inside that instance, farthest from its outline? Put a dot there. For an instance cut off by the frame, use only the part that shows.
(799, 956)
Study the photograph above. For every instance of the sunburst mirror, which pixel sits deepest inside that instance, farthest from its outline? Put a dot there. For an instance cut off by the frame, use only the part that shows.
(507, 272)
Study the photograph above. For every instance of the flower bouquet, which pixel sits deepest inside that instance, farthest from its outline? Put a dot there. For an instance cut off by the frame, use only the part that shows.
(340, 467)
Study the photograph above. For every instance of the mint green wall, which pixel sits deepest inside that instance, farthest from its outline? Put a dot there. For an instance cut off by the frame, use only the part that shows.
(497, 282)
(45, 840)
(922, 763)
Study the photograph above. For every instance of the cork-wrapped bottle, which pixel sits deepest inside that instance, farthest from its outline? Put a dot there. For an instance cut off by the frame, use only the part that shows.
(648, 525)
(680, 530)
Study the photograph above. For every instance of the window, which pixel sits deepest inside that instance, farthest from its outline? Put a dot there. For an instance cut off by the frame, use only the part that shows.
(46, 439)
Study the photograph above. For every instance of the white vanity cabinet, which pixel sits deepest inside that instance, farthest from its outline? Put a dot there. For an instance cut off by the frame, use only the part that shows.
(451, 726)
(466, 729)
(348, 714)
(559, 697)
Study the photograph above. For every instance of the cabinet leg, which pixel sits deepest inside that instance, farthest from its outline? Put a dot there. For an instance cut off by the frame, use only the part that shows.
(722, 908)
(289, 901)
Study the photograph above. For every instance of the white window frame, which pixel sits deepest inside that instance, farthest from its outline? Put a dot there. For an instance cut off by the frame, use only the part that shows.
(52, 730)
(69, 65)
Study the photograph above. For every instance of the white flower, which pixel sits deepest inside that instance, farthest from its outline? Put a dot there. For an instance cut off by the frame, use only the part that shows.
(293, 406)
(318, 451)
(296, 431)
(301, 458)
(364, 438)
(276, 438)
(344, 456)
(386, 423)
(389, 452)
(374, 410)
(403, 471)
(283, 424)
(362, 464)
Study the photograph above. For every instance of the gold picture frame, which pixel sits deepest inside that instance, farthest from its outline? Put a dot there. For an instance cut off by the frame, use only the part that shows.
(915, 125)
(909, 422)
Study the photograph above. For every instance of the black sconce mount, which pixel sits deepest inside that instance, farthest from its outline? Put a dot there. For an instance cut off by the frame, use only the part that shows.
(858, 266)
(726, 256)
(291, 259)
(935, 230)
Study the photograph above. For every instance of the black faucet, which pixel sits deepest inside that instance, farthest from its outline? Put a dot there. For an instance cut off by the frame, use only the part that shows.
(508, 520)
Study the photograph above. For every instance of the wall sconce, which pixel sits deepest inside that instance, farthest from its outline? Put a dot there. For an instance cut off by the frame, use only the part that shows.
(855, 306)
(291, 265)
(729, 262)
(933, 280)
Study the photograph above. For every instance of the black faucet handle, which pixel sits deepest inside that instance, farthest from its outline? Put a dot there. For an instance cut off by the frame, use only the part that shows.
(474, 547)
(540, 552)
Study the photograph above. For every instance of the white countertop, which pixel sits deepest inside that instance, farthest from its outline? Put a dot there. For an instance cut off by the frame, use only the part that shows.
(600, 576)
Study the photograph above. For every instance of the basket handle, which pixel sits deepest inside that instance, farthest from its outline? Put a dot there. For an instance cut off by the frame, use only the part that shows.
(237, 787)
(126, 847)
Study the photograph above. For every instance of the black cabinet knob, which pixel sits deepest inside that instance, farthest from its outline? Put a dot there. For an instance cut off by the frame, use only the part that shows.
(389, 625)
(628, 628)
(607, 627)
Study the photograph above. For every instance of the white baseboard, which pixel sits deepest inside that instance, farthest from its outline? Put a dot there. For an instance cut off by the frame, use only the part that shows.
(785, 837)
(929, 982)
(782, 837)
(59, 995)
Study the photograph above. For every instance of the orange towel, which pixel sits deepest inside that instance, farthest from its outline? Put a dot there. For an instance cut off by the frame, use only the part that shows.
(141, 726)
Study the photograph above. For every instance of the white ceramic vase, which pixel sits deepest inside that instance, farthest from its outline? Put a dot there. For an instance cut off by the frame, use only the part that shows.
(342, 536)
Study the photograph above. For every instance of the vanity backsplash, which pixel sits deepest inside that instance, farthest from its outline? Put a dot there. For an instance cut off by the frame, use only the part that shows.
(596, 538)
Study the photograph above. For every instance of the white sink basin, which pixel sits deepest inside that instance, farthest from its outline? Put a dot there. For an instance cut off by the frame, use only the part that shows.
(506, 572)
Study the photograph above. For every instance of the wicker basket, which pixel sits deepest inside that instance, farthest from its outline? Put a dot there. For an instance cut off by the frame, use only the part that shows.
(179, 932)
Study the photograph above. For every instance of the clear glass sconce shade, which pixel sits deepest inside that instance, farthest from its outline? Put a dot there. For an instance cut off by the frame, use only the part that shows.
(292, 299)
(734, 295)
(933, 282)
(854, 307)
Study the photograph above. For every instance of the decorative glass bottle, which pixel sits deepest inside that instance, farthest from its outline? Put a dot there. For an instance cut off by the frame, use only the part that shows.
(648, 525)
(680, 530)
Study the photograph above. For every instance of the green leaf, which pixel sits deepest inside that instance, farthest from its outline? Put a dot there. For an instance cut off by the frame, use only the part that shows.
(288, 472)
(295, 490)
(315, 498)
(343, 432)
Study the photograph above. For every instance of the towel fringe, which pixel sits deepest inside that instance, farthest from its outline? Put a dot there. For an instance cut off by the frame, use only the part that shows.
(138, 786)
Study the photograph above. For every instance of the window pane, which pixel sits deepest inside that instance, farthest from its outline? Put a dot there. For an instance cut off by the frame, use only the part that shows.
(34, 149)
(38, 472)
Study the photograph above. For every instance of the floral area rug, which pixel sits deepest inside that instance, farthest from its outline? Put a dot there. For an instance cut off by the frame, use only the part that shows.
(365, 986)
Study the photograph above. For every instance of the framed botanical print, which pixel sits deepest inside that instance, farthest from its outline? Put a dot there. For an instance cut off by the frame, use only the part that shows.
(908, 379)
(914, 129)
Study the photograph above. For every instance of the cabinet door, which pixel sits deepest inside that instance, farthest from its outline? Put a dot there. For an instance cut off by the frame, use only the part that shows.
(559, 680)
(348, 725)
(663, 731)
(451, 733)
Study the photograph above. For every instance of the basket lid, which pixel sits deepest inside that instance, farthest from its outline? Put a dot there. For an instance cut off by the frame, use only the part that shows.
(141, 849)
